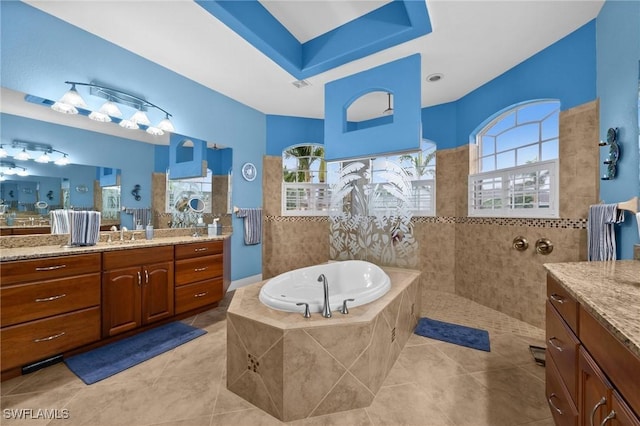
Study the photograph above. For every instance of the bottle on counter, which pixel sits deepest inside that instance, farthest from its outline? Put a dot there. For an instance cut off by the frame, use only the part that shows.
(149, 231)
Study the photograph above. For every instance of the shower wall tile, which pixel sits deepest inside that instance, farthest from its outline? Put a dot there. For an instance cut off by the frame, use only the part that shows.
(579, 159)
(291, 244)
(437, 255)
(272, 185)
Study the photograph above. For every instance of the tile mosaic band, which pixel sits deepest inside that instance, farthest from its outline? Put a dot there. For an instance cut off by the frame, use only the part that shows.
(578, 223)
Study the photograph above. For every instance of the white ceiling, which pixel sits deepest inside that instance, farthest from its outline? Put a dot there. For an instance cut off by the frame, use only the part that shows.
(472, 42)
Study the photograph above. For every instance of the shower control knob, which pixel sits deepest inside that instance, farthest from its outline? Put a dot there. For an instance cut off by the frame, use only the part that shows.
(544, 246)
(520, 243)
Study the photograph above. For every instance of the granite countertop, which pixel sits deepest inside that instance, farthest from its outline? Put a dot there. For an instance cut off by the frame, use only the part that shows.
(610, 291)
(36, 252)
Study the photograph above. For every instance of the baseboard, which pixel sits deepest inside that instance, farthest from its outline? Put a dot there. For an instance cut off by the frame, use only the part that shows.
(243, 282)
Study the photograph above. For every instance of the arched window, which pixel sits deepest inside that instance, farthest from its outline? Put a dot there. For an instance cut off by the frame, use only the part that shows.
(517, 161)
(304, 174)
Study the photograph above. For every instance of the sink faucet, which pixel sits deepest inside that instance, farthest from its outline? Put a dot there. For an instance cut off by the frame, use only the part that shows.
(326, 309)
(122, 229)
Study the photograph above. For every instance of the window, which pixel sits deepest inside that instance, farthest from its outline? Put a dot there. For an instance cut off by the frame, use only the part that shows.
(308, 181)
(304, 188)
(518, 163)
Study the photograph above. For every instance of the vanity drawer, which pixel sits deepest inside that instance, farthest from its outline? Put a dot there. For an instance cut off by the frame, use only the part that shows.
(36, 340)
(198, 269)
(564, 303)
(562, 408)
(26, 302)
(199, 294)
(136, 257)
(48, 268)
(204, 248)
(562, 346)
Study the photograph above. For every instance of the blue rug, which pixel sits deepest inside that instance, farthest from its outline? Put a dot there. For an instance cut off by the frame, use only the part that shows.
(103, 362)
(454, 333)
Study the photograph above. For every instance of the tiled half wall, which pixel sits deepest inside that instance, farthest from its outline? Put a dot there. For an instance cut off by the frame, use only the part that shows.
(472, 257)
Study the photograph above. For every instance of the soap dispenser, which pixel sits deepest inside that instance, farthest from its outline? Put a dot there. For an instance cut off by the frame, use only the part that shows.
(149, 231)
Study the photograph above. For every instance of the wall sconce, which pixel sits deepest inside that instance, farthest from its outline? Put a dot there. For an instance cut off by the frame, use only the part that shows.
(9, 168)
(614, 153)
(72, 103)
(136, 192)
(44, 158)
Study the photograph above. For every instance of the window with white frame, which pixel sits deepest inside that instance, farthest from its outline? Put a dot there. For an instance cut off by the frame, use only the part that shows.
(304, 188)
(518, 163)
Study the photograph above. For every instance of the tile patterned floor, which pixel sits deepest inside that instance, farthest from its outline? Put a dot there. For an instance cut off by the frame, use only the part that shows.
(432, 383)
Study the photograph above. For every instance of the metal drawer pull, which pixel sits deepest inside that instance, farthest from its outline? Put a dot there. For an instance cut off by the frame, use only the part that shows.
(200, 294)
(558, 348)
(553, 395)
(139, 279)
(611, 415)
(200, 269)
(49, 299)
(146, 276)
(201, 249)
(556, 298)
(50, 268)
(46, 339)
(595, 408)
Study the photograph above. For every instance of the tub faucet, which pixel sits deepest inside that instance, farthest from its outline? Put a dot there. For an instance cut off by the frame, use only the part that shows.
(326, 309)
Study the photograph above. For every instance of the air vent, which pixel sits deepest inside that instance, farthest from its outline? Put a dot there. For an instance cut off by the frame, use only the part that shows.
(300, 84)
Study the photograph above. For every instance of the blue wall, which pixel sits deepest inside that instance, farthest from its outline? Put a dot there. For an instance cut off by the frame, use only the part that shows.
(39, 52)
(284, 131)
(618, 44)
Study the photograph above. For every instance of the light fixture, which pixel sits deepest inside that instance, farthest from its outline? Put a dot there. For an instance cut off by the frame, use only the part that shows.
(70, 101)
(389, 110)
(44, 158)
(10, 169)
(3, 152)
(106, 111)
(109, 111)
(46, 150)
(62, 161)
(22, 155)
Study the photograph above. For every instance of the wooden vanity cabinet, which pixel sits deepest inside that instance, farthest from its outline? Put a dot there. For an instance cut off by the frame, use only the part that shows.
(199, 271)
(591, 378)
(48, 306)
(137, 288)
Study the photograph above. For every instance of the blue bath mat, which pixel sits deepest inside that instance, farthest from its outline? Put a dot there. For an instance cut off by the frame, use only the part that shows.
(454, 333)
(103, 362)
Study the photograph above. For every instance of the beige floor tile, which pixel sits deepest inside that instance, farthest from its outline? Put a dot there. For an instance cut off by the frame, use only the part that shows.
(357, 417)
(473, 360)
(429, 384)
(405, 405)
(25, 408)
(251, 417)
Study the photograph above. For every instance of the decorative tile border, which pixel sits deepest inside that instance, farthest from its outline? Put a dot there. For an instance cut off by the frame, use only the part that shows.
(578, 223)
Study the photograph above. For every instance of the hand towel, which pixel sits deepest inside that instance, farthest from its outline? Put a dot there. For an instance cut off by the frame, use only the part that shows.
(601, 232)
(85, 228)
(59, 220)
(252, 225)
(638, 222)
(141, 216)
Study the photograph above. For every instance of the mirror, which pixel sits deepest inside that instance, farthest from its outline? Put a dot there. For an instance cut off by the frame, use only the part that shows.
(182, 203)
(197, 205)
(139, 162)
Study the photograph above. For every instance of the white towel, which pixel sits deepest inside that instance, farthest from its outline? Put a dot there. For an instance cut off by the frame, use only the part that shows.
(601, 232)
(252, 225)
(85, 228)
(59, 220)
(638, 222)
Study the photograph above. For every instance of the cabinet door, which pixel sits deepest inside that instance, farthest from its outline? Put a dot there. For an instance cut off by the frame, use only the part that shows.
(157, 292)
(594, 392)
(620, 413)
(121, 300)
